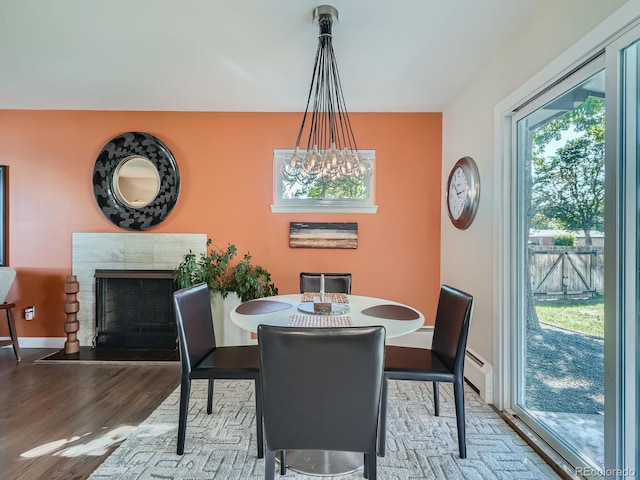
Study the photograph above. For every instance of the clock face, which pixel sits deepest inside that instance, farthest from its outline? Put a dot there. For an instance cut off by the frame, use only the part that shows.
(463, 192)
(457, 197)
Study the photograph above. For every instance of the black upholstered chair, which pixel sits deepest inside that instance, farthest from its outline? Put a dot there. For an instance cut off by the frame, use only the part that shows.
(443, 362)
(333, 282)
(321, 390)
(201, 359)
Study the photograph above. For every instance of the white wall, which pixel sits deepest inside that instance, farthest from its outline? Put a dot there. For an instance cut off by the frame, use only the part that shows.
(468, 256)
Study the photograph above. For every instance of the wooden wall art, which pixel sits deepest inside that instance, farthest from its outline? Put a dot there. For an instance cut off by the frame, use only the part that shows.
(323, 235)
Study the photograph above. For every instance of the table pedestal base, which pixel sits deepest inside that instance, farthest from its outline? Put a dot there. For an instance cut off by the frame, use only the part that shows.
(323, 462)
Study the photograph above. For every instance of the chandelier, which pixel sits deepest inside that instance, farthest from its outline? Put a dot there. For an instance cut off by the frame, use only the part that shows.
(331, 154)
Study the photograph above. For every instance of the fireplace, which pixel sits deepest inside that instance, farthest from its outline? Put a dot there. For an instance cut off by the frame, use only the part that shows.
(134, 309)
(130, 251)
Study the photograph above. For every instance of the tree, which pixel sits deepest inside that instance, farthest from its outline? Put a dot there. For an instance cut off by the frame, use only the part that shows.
(568, 187)
(545, 184)
(540, 222)
(318, 190)
(587, 117)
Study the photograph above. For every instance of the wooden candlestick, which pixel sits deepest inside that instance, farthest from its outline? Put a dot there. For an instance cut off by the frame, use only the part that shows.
(71, 307)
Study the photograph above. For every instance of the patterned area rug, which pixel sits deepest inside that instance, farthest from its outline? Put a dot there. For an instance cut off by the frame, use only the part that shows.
(419, 445)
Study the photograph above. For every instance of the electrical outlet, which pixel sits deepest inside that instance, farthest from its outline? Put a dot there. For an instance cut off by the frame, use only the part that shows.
(30, 313)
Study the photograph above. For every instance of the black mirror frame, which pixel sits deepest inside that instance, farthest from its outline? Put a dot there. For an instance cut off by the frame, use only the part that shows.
(117, 150)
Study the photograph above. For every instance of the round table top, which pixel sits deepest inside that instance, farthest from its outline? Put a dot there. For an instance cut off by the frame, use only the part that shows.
(283, 310)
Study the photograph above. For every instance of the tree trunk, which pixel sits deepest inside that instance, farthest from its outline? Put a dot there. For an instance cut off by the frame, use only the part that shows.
(530, 311)
(531, 316)
(530, 303)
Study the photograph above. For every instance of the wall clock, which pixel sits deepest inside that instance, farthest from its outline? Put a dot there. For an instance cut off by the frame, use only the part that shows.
(463, 192)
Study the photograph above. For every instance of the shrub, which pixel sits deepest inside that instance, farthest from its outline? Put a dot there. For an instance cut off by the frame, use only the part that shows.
(565, 239)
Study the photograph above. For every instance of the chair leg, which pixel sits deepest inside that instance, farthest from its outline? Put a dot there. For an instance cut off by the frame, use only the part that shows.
(13, 334)
(366, 466)
(436, 399)
(210, 397)
(259, 419)
(269, 464)
(371, 466)
(185, 391)
(382, 426)
(458, 393)
(283, 462)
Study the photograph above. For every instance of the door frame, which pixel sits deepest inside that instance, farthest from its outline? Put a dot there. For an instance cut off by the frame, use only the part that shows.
(623, 21)
(560, 444)
(622, 181)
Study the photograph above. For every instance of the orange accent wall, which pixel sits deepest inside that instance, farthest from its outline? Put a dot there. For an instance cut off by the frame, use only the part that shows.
(226, 162)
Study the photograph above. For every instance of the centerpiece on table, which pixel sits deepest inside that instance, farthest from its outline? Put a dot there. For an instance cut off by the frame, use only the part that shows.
(319, 304)
(322, 303)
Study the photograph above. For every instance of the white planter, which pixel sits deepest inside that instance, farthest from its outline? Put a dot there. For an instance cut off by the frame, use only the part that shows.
(227, 332)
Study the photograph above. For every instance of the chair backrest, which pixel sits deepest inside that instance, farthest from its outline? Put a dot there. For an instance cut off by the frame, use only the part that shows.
(452, 327)
(194, 320)
(333, 282)
(321, 387)
(7, 275)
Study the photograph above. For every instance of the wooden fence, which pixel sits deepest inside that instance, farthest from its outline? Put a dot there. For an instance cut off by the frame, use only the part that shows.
(566, 272)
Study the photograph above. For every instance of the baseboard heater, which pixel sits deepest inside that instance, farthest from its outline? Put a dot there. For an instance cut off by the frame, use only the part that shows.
(479, 373)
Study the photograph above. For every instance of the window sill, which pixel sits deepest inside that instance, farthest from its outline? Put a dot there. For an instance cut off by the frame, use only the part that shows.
(323, 209)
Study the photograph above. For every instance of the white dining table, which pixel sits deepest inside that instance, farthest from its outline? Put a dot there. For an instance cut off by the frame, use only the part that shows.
(288, 310)
(397, 318)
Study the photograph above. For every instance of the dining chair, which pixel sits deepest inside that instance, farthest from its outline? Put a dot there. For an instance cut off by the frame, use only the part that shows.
(333, 282)
(7, 275)
(200, 358)
(321, 389)
(443, 362)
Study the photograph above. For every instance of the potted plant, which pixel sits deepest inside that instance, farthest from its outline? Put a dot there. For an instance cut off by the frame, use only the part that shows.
(230, 284)
(211, 268)
(251, 282)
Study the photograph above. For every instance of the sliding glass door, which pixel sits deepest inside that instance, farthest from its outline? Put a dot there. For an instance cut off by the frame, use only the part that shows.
(560, 237)
(575, 246)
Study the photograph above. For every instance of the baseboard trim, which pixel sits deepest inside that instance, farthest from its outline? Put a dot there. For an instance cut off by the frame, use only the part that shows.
(542, 448)
(38, 342)
(421, 338)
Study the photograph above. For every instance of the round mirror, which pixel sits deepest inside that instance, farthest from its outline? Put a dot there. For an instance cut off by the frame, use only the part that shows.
(136, 181)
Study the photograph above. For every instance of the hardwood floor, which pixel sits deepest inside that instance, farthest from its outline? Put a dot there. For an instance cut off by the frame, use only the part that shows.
(60, 421)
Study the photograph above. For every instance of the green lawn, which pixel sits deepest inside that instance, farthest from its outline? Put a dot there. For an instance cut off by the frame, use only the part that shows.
(586, 316)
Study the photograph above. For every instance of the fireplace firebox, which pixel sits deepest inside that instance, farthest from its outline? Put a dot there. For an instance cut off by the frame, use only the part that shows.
(134, 309)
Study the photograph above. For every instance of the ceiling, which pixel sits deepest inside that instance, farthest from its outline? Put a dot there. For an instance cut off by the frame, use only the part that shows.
(244, 55)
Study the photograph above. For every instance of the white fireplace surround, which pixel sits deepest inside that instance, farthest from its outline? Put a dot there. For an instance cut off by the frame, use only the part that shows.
(123, 251)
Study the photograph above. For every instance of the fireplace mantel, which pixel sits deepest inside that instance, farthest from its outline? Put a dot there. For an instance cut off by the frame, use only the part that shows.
(123, 251)
(128, 273)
